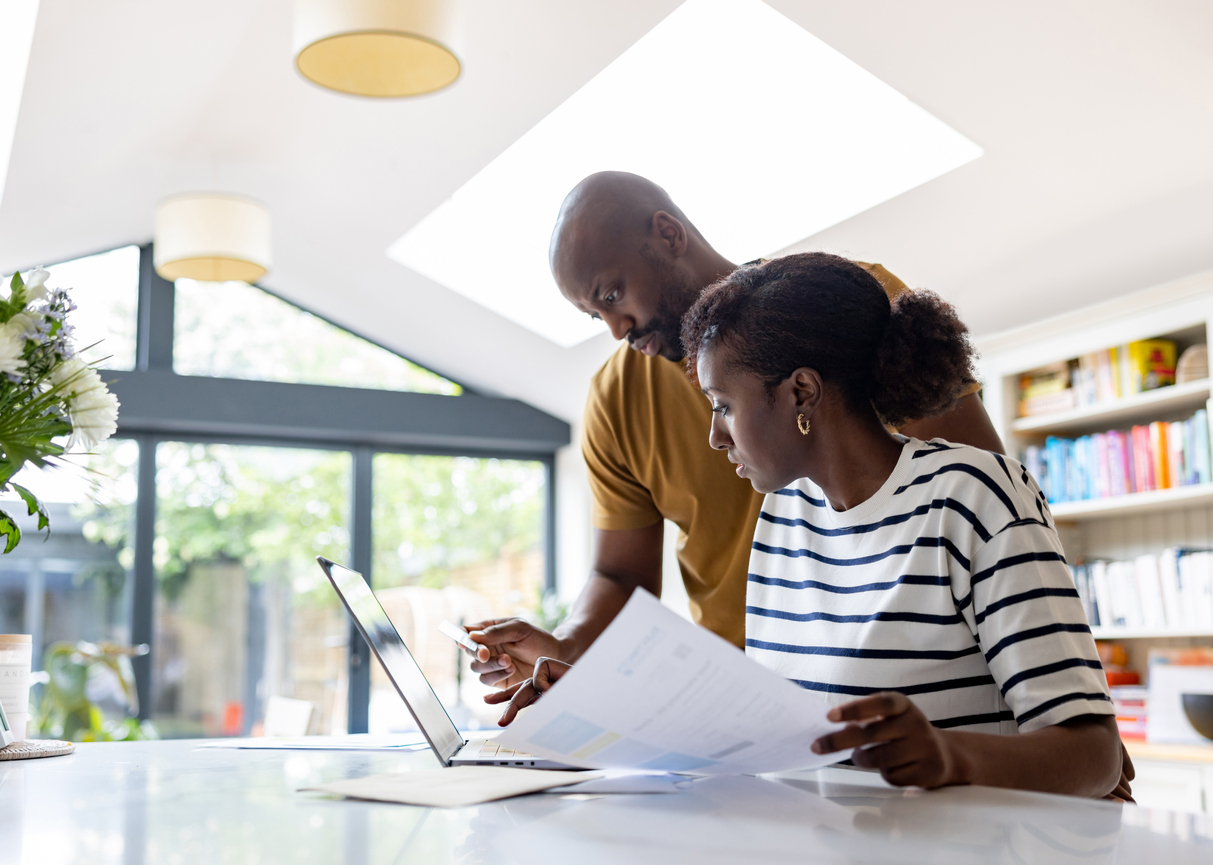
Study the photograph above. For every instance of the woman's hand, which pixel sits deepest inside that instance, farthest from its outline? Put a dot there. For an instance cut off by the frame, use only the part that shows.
(547, 672)
(1124, 790)
(890, 733)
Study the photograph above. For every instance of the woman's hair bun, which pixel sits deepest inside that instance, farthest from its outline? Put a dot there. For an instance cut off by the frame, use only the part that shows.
(924, 364)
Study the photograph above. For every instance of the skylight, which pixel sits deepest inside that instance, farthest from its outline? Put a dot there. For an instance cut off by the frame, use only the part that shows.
(761, 132)
(17, 18)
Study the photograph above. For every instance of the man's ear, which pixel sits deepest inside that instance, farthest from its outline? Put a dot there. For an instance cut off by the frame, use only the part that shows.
(670, 233)
(806, 389)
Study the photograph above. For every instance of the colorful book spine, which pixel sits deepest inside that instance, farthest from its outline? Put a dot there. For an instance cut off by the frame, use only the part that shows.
(1175, 454)
(1200, 435)
(1055, 464)
(1103, 466)
(1143, 466)
(1069, 449)
(1107, 388)
(1158, 456)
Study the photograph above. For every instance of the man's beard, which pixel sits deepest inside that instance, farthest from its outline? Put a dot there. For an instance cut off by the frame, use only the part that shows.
(677, 296)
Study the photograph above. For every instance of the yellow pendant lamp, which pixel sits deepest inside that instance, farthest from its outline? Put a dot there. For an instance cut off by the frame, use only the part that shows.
(382, 48)
(212, 237)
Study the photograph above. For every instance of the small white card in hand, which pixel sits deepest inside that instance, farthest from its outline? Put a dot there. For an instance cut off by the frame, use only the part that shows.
(459, 635)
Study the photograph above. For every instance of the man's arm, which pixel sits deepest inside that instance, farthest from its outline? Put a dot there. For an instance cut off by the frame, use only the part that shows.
(623, 561)
(967, 424)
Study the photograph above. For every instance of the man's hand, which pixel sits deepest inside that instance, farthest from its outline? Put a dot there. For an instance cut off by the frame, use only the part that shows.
(900, 741)
(511, 648)
(547, 671)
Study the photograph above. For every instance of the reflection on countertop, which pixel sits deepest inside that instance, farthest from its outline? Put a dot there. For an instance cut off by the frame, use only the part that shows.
(170, 802)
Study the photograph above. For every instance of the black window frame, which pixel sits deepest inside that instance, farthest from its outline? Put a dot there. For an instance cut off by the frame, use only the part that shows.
(158, 405)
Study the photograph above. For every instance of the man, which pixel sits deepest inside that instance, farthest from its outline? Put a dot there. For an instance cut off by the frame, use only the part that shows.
(623, 252)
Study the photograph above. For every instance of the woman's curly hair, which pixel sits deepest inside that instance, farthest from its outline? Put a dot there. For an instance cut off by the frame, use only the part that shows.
(909, 359)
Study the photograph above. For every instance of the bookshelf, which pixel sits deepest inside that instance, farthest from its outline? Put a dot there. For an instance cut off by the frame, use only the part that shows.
(1148, 634)
(1134, 503)
(1177, 398)
(1129, 526)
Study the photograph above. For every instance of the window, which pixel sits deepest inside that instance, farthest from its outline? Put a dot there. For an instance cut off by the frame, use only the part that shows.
(105, 288)
(219, 574)
(456, 538)
(234, 330)
(73, 585)
(243, 613)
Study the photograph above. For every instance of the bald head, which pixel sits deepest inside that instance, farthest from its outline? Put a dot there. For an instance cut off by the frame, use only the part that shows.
(623, 252)
(611, 205)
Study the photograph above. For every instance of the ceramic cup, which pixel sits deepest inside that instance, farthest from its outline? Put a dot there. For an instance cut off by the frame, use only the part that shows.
(16, 653)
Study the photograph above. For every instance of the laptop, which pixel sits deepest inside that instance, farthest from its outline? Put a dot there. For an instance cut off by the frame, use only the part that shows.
(414, 689)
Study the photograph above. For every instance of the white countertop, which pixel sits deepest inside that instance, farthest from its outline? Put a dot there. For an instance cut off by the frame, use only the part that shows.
(169, 802)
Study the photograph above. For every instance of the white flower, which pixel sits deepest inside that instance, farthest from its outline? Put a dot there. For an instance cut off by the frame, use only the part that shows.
(27, 324)
(68, 376)
(35, 283)
(91, 408)
(12, 346)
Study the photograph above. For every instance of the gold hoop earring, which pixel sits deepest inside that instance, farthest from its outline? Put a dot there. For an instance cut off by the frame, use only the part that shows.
(802, 425)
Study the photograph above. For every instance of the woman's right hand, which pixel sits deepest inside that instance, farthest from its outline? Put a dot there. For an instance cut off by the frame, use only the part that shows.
(547, 672)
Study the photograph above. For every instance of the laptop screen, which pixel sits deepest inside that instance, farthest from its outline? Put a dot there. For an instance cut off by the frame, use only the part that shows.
(397, 661)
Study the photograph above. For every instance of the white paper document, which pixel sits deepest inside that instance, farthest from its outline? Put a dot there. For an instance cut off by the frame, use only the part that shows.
(454, 787)
(657, 692)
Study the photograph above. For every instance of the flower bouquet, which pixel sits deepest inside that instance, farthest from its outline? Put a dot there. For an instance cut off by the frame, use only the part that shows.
(47, 393)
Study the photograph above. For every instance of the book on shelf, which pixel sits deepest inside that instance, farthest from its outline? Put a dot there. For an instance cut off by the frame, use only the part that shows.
(1151, 364)
(1046, 390)
(1098, 377)
(1131, 704)
(1157, 456)
(1170, 591)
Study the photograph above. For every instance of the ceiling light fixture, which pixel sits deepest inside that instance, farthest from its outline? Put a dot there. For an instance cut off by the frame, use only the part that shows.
(772, 137)
(383, 48)
(212, 237)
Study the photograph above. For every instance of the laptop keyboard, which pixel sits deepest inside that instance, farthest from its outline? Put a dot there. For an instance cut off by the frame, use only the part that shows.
(488, 749)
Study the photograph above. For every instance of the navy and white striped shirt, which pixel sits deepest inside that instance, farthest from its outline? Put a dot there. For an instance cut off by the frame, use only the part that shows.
(948, 585)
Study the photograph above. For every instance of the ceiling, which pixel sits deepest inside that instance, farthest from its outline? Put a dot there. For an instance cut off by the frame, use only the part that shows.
(1096, 118)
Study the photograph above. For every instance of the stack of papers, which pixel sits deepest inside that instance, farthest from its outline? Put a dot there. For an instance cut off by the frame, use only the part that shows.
(656, 692)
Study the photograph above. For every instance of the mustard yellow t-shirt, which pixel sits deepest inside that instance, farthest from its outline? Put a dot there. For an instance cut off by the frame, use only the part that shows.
(645, 441)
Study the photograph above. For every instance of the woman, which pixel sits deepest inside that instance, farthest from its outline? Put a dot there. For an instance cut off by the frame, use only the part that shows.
(925, 579)
(918, 586)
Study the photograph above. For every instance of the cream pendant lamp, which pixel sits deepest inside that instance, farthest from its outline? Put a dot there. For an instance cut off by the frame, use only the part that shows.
(212, 237)
(384, 48)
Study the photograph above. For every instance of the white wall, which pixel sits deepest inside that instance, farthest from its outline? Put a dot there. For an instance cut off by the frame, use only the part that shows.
(575, 534)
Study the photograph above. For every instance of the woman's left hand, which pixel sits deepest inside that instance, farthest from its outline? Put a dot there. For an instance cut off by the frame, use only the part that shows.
(890, 733)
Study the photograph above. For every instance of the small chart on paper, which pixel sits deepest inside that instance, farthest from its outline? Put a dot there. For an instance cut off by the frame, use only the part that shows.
(657, 693)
